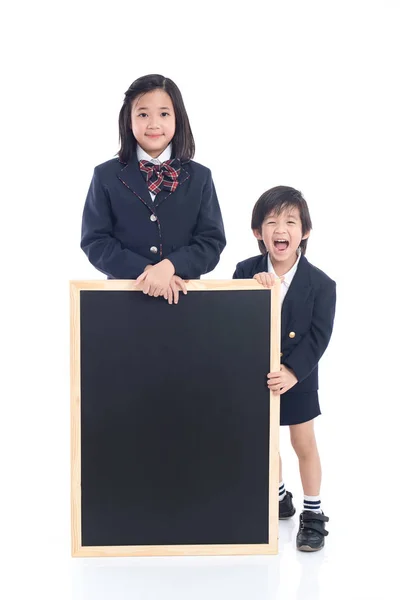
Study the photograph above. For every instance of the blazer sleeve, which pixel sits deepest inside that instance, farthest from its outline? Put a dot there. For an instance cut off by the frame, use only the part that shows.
(306, 354)
(238, 274)
(103, 250)
(208, 238)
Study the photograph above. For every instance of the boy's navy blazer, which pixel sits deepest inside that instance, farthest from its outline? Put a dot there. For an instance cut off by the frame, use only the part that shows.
(308, 312)
(123, 230)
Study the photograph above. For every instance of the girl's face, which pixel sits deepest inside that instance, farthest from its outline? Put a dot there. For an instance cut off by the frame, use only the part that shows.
(282, 235)
(153, 121)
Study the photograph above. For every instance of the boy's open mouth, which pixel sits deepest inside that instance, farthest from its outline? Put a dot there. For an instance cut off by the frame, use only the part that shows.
(281, 245)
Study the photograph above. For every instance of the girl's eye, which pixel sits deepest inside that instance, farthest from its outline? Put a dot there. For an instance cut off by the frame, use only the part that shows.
(165, 114)
(291, 222)
(142, 115)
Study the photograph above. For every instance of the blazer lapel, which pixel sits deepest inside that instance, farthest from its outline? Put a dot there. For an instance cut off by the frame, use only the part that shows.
(131, 176)
(163, 195)
(297, 294)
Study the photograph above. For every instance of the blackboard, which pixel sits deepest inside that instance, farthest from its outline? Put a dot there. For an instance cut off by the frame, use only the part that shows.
(172, 422)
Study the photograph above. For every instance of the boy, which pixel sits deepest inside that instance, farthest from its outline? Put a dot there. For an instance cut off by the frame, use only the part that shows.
(281, 223)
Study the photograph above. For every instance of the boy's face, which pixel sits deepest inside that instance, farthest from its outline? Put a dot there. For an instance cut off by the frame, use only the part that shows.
(282, 235)
(153, 121)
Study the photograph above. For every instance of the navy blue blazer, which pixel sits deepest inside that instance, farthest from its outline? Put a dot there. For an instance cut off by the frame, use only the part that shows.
(308, 311)
(123, 230)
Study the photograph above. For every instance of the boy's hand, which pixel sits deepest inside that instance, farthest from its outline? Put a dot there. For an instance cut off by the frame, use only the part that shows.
(177, 284)
(156, 278)
(281, 382)
(267, 279)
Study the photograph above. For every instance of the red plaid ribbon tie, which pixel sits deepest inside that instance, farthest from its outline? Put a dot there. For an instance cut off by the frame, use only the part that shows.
(164, 176)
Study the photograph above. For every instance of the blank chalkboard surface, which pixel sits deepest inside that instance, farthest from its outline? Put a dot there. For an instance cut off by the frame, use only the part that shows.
(173, 419)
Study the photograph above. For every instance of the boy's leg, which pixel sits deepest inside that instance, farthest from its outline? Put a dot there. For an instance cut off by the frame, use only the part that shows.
(286, 508)
(312, 531)
(304, 443)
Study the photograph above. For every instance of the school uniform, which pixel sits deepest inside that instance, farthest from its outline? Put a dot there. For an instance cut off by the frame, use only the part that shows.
(308, 311)
(125, 228)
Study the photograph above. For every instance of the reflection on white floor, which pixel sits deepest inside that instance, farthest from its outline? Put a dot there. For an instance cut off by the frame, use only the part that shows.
(342, 570)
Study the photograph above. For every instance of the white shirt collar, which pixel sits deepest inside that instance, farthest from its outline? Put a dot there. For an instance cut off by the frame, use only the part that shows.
(289, 275)
(142, 155)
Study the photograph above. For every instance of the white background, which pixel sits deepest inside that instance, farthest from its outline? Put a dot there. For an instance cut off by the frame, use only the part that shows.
(296, 93)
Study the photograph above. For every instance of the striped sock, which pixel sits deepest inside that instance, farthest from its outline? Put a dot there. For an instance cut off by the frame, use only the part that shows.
(312, 503)
(282, 491)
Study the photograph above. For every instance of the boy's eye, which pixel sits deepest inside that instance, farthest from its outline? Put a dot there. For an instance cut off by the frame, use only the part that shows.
(270, 222)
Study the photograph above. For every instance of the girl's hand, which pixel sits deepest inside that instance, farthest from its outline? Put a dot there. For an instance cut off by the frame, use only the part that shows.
(156, 278)
(281, 382)
(267, 279)
(177, 284)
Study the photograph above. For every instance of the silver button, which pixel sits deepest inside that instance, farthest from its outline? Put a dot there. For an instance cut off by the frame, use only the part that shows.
(154, 249)
(153, 218)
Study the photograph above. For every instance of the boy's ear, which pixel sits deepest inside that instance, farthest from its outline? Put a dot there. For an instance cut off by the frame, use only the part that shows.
(257, 234)
(306, 235)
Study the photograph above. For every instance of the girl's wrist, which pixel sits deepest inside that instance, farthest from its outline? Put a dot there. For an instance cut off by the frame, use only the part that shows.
(166, 261)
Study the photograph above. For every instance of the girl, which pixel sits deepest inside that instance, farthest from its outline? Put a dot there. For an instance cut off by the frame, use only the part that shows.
(281, 222)
(152, 214)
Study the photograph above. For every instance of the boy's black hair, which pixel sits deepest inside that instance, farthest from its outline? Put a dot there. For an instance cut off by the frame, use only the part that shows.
(182, 143)
(274, 201)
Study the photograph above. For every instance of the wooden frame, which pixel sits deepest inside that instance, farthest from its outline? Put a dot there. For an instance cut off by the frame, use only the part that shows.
(174, 550)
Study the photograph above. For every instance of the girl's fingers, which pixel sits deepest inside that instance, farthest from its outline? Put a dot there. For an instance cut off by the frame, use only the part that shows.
(162, 290)
(142, 277)
(175, 291)
(152, 290)
(168, 295)
(170, 292)
(181, 284)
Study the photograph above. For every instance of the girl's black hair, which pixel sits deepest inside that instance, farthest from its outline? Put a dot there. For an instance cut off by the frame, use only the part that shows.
(274, 201)
(182, 143)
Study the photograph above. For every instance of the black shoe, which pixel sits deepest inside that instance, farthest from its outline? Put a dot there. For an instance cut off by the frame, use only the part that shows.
(286, 508)
(312, 532)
